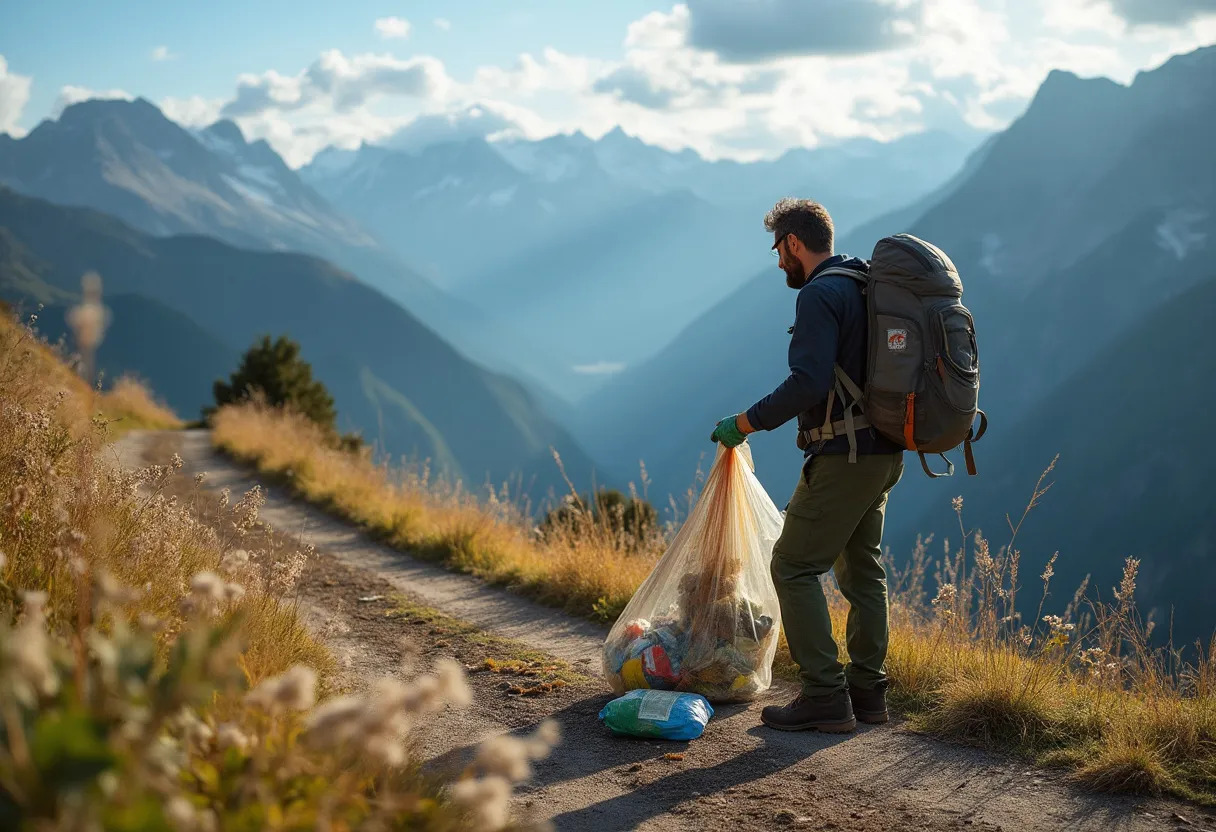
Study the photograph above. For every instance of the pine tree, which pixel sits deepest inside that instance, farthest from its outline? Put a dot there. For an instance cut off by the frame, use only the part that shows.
(282, 377)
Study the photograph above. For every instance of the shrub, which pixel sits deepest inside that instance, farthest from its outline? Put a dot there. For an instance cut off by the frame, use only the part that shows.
(275, 371)
(633, 521)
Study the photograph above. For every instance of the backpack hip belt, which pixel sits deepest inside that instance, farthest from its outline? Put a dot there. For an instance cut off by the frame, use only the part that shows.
(853, 421)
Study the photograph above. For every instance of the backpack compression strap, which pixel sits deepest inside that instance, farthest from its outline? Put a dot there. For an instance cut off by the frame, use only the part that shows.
(853, 420)
(924, 463)
(974, 436)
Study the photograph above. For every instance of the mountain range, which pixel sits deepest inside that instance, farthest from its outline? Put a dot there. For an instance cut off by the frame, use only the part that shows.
(185, 306)
(1074, 231)
(602, 249)
(126, 159)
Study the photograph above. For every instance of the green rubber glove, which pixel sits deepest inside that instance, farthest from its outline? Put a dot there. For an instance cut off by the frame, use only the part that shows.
(727, 432)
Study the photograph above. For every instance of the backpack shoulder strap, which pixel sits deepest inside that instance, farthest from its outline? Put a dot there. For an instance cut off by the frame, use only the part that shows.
(840, 271)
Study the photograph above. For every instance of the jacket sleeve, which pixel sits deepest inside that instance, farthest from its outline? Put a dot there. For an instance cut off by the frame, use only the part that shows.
(817, 321)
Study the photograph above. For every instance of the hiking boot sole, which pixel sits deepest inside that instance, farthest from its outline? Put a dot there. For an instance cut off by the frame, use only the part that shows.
(874, 718)
(823, 727)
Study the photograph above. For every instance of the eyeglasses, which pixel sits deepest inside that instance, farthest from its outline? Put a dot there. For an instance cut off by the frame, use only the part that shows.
(777, 244)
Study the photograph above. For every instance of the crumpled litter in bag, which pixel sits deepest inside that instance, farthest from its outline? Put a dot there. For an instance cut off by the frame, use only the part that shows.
(706, 619)
(661, 714)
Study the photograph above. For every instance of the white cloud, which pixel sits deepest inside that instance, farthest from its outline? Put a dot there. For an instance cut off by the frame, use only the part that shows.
(345, 82)
(474, 121)
(14, 94)
(162, 53)
(948, 63)
(352, 81)
(556, 71)
(443, 24)
(71, 94)
(194, 111)
(392, 27)
(599, 368)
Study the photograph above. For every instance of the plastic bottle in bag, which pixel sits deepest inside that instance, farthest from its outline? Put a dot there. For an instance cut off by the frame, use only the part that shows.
(706, 619)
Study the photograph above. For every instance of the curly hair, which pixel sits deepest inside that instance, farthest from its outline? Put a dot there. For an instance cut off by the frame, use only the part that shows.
(807, 220)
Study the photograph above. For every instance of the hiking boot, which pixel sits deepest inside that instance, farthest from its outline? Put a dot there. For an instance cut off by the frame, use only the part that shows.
(870, 706)
(831, 713)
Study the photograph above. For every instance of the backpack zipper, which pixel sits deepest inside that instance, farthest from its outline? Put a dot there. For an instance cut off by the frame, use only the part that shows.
(915, 252)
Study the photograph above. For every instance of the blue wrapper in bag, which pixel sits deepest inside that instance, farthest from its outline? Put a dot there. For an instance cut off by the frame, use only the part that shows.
(660, 714)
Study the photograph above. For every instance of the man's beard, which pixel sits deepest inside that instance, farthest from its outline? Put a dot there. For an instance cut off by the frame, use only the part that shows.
(795, 275)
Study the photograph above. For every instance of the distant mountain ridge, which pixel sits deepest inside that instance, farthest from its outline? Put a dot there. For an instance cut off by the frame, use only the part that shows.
(603, 249)
(126, 159)
(167, 180)
(1070, 228)
(394, 379)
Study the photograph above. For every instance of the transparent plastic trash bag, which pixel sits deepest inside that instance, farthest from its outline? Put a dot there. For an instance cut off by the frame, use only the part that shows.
(706, 619)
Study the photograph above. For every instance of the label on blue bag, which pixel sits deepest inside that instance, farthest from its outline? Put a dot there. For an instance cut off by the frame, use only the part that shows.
(657, 704)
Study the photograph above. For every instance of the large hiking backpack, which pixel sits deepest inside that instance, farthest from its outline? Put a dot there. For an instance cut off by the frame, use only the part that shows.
(923, 373)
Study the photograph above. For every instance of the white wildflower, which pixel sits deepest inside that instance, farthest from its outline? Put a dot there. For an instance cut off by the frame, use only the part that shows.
(111, 591)
(207, 821)
(207, 585)
(453, 685)
(235, 561)
(29, 653)
(335, 721)
(166, 758)
(486, 801)
(295, 689)
(108, 783)
(388, 751)
(181, 814)
(944, 602)
(34, 602)
(504, 756)
(1050, 569)
(228, 735)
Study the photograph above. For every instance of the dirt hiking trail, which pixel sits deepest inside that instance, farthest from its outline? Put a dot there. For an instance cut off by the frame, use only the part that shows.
(737, 775)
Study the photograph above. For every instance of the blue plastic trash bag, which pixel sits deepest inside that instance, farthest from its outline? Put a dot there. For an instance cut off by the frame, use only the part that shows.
(664, 714)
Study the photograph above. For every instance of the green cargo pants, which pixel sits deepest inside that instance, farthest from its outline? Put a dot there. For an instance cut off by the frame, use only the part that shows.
(835, 519)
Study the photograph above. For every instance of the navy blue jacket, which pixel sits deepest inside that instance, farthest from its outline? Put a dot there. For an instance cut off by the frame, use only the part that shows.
(830, 327)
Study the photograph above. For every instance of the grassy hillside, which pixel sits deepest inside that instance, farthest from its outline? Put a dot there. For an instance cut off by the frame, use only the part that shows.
(486, 422)
(155, 674)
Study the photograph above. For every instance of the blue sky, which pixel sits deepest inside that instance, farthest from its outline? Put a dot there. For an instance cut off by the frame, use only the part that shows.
(736, 78)
(109, 45)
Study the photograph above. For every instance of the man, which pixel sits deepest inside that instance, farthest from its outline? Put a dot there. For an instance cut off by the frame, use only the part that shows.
(835, 516)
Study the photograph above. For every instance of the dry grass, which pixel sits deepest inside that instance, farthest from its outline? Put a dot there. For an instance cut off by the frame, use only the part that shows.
(129, 405)
(66, 511)
(1082, 688)
(585, 567)
(154, 672)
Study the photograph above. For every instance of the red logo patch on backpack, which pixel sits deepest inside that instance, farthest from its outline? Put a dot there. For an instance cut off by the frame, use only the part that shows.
(897, 339)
